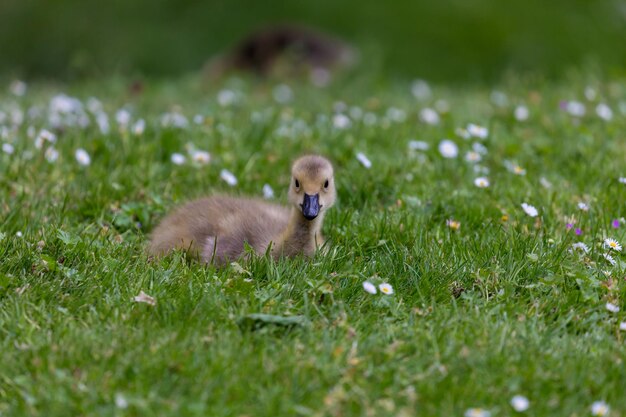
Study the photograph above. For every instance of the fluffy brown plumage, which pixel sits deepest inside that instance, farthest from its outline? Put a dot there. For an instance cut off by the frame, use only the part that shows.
(216, 229)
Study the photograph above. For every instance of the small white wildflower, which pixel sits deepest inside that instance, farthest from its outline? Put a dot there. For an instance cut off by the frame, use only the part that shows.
(228, 177)
(575, 108)
(545, 183)
(604, 112)
(369, 287)
(44, 136)
(590, 93)
(18, 88)
(282, 94)
(609, 258)
(520, 403)
(530, 210)
(144, 298)
(82, 157)
(178, 158)
(19, 234)
(472, 156)
(268, 192)
(462, 133)
(583, 206)
(600, 408)
(612, 307)
(364, 160)
(418, 145)
(448, 149)
(477, 131)
(139, 127)
(429, 116)
(386, 288)
(453, 224)
(51, 154)
(198, 119)
(421, 90)
(499, 98)
(622, 180)
(622, 326)
(102, 120)
(581, 247)
(201, 157)
(610, 243)
(120, 401)
(477, 412)
(481, 182)
(8, 148)
(341, 121)
(122, 117)
(226, 98)
(521, 113)
(479, 148)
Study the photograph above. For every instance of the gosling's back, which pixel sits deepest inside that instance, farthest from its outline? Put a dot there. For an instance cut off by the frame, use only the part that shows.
(226, 221)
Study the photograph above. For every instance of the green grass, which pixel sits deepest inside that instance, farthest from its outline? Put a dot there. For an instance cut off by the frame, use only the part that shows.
(497, 308)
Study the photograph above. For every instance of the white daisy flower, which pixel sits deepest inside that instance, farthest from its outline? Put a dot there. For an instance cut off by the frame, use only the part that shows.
(369, 287)
(82, 157)
(51, 154)
(122, 117)
(18, 88)
(421, 90)
(583, 206)
(448, 149)
(609, 259)
(198, 119)
(622, 326)
(139, 127)
(226, 98)
(462, 133)
(418, 145)
(530, 210)
(514, 168)
(364, 160)
(472, 156)
(19, 234)
(268, 192)
(453, 224)
(429, 116)
(102, 120)
(477, 131)
(600, 408)
(622, 180)
(581, 247)
(612, 307)
(282, 93)
(477, 412)
(386, 288)
(341, 121)
(201, 157)
(575, 108)
(479, 148)
(481, 182)
(521, 113)
(8, 148)
(178, 158)
(604, 112)
(520, 403)
(612, 244)
(121, 401)
(228, 177)
(44, 136)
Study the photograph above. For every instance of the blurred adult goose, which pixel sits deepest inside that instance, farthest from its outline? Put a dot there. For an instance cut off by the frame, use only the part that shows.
(216, 229)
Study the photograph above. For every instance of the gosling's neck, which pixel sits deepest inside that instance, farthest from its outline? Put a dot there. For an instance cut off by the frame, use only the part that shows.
(301, 235)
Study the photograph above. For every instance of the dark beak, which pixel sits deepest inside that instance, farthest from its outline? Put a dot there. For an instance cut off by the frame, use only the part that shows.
(311, 206)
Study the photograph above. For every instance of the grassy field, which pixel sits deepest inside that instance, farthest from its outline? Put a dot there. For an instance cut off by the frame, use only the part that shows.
(497, 305)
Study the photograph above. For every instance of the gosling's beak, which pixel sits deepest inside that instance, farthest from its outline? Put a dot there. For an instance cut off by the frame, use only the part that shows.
(311, 206)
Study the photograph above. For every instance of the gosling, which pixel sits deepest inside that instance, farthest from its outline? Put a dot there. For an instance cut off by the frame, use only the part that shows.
(216, 229)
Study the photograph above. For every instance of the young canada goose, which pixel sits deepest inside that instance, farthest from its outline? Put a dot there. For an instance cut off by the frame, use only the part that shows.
(215, 229)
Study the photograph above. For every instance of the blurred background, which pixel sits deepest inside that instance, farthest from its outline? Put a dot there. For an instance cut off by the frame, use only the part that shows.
(443, 40)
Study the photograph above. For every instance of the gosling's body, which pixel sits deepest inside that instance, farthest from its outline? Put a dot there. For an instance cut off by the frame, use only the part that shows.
(216, 229)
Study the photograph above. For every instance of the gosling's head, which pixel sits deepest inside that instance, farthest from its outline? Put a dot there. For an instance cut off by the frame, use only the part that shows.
(312, 188)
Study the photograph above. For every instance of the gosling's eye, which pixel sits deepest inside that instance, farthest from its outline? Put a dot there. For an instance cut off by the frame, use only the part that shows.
(297, 183)
(326, 184)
